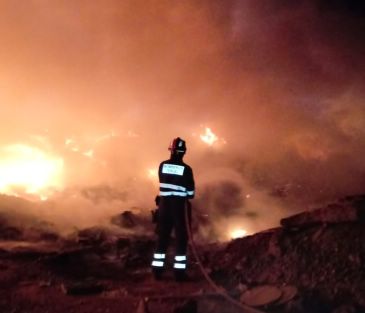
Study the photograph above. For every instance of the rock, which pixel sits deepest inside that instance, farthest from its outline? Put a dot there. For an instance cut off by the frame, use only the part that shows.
(262, 295)
(288, 294)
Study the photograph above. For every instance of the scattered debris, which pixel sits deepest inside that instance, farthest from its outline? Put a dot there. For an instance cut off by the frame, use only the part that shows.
(126, 219)
(314, 263)
(92, 236)
(136, 219)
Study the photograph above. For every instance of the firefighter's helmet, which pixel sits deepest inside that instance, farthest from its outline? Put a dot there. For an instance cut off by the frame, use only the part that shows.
(177, 145)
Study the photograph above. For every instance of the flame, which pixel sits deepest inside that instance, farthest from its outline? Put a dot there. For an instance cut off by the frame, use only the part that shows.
(238, 233)
(29, 169)
(209, 137)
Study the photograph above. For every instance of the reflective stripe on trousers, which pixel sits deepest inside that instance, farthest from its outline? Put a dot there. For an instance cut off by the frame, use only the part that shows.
(180, 262)
(158, 260)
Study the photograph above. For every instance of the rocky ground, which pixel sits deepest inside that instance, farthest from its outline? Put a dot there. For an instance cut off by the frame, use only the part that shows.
(313, 263)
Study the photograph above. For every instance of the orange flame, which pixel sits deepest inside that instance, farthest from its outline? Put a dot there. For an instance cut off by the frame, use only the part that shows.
(209, 137)
(238, 233)
(30, 169)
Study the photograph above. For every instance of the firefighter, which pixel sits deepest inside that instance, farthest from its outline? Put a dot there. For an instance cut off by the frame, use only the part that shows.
(176, 188)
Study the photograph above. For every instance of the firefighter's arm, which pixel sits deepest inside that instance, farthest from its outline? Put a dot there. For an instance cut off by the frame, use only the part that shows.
(155, 212)
(190, 184)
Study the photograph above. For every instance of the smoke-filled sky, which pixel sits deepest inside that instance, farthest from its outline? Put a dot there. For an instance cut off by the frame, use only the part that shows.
(105, 85)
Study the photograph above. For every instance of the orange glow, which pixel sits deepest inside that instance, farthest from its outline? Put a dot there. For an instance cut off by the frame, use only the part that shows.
(152, 174)
(238, 233)
(30, 170)
(89, 153)
(209, 137)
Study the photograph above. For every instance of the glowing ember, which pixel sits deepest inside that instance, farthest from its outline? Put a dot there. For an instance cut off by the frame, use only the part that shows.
(238, 233)
(89, 153)
(68, 141)
(209, 137)
(29, 170)
(152, 174)
(107, 136)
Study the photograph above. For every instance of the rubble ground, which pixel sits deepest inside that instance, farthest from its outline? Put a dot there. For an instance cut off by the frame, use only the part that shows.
(86, 279)
(319, 252)
(313, 263)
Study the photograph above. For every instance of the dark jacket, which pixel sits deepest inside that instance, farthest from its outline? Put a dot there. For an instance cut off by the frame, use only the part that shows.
(176, 179)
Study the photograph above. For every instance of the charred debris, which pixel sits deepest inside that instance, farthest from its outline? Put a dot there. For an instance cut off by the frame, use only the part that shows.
(314, 262)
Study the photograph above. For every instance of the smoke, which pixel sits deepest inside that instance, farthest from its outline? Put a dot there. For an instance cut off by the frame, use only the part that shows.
(106, 86)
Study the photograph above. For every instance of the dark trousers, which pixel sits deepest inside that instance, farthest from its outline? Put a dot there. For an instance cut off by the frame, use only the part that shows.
(172, 216)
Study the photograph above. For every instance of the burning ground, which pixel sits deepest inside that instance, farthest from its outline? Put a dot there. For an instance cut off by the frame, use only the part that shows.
(312, 263)
(269, 97)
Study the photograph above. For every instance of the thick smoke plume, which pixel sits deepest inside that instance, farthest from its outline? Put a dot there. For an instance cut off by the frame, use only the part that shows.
(107, 84)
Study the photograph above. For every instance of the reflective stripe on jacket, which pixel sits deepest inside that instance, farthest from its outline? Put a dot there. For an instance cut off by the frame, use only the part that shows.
(176, 179)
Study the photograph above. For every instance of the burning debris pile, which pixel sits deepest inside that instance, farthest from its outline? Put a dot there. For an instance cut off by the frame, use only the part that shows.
(320, 253)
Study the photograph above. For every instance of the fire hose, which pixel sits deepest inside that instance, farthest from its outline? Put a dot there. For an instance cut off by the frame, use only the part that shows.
(217, 289)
